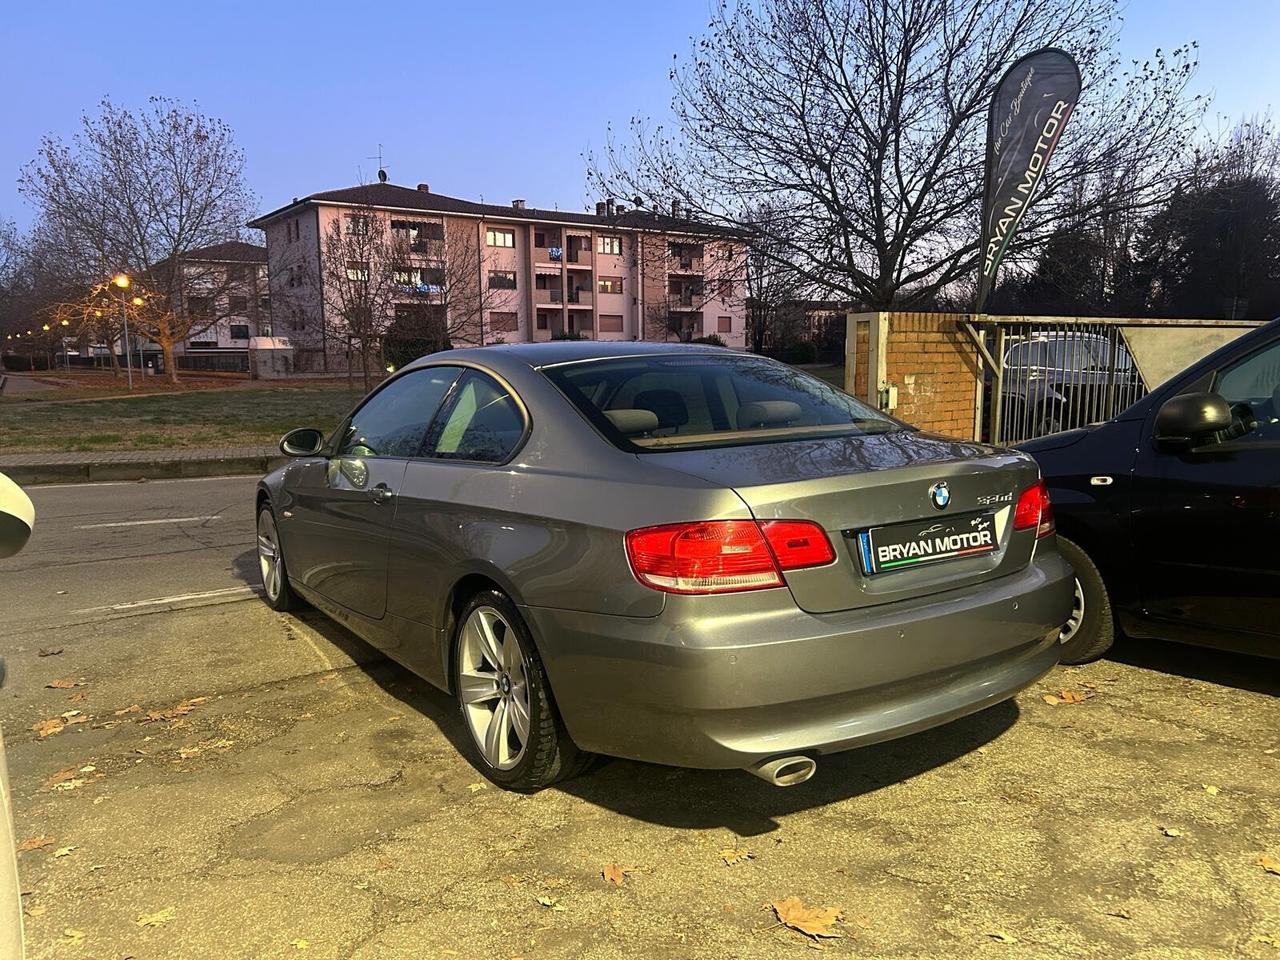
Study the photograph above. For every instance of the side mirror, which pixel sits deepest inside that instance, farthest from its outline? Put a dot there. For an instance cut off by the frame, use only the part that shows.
(17, 517)
(303, 442)
(1184, 420)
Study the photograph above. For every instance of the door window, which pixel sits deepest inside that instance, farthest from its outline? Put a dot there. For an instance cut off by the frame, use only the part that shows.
(483, 423)
(1252, 387)
(394, 420)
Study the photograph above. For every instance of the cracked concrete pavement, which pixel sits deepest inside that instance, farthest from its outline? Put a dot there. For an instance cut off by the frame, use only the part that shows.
(319, 802)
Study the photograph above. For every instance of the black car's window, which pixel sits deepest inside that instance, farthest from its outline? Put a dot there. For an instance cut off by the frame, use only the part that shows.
(1252, 387)
(689, 401)
(393, 421)
(482, 422)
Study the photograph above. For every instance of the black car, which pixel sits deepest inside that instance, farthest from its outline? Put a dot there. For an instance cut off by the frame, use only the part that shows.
(1170, 512)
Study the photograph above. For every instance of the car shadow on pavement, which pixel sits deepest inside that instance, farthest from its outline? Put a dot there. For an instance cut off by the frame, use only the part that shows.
(244, 566)
(1259, 674)
(705, 799)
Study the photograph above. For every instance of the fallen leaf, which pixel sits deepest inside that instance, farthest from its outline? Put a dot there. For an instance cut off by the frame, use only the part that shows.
(1068, 697)
(35, 843)
(1269, 864)
(552, 903)
(78, 697)
(300, 944)
(66, 785)
(813, 922)
(1121, 913)
(36, 910)
(1171, 831)
(47, 728)
(71, 938)
(475, 787)
(615, 874)
(730, 857)
(1210, 789)
(186, 753)
(48, 651)
(327, 678)
(157, 918)
(173, 713)
(61, 777)
(999, 936)
(134, 708)
(64, 684)
(63, 851)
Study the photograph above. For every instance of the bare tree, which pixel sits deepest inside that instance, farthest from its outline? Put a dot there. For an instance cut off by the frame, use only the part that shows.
(771, 278)
(863, 122)
(138, 192)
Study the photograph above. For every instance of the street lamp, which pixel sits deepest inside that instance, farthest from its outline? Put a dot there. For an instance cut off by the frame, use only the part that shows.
(121, 280)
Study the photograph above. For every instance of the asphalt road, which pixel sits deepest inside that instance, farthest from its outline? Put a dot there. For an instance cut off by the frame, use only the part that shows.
(236, 783)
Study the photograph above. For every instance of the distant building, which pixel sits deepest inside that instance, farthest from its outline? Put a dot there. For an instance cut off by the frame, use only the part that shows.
(617, 274)
(227, 281)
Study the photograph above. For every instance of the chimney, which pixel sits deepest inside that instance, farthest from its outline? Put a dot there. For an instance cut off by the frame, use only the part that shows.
(425, 188)
(621, 209)
(517, 204)
(608, 207)
(600, 207)
(675, 209)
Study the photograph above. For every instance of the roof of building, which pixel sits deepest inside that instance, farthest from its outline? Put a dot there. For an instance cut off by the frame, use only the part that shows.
(232, 251)
(391, 196)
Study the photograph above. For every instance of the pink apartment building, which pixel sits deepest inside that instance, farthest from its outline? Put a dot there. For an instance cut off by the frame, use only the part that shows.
(618, 274)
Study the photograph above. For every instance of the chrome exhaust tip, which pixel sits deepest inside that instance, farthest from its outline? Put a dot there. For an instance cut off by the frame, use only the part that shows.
(785, 771)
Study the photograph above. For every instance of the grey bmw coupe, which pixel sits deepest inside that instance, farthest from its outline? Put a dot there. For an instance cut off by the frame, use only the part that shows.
(677, 554)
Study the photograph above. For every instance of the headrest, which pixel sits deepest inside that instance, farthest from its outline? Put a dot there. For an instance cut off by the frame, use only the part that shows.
(767, 413)
(631, 423)
(667, 404)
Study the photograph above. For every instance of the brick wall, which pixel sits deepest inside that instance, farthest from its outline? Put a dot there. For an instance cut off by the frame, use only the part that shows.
(935, 368)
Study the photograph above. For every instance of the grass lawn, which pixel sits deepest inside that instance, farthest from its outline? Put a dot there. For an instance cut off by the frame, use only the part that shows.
(198, 418)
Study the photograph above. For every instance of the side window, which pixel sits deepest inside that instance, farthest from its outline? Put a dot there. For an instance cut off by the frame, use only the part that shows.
(393, 421)
(1252, 387)
(482, 423)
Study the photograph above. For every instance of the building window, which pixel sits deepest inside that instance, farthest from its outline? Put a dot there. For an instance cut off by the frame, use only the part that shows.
(264, 304)
(294, 276)
(358, 271)
(609, 243)
(503, 322)
(357, 225)
(610, 284)
(726, 288)
(502, 279)
(239, 331)
(237, 273)
(417, 233)
(610, 323)
(428, 279)
(539, 238)
(542, 321)
(199, 307)
(238, 306)
(724, 324)
(497, 237)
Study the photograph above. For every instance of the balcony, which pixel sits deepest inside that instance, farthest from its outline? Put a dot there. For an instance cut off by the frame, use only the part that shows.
(579, 298)
(554, 295)
(690, 265)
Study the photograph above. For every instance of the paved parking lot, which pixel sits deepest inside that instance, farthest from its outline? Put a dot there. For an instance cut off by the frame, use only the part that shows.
(237, 783)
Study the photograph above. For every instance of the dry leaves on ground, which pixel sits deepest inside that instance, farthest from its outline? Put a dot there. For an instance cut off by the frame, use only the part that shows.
(1210, 789)
(47, 728)
(63, 851)
(1269, 864)
(730, 857)
(65, 683)
(174, 713)
(35, 843)
(1068, 697)
(71, 937)
(132, 708)
(999, 936)
(157, 918)
(1171, 831)
(48, 651)
(813, 922)
(615, 874)
(551, 903)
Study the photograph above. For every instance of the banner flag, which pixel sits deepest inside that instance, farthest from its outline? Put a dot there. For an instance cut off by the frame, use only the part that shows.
(1030, 108)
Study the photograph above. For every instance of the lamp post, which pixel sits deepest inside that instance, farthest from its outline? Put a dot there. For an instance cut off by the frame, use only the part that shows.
(66, 351)
(121, 280)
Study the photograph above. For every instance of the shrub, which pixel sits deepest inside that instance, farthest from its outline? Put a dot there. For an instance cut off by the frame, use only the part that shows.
(567, 335)
(712, 338)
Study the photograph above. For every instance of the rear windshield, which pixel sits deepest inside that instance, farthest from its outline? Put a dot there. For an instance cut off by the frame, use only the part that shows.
(690, 401)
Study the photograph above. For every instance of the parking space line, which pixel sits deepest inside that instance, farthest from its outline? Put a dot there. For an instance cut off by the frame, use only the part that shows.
(245, 591)
(146, 523)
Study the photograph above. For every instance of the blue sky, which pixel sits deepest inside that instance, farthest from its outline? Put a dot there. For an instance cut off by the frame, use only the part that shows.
(311, 89)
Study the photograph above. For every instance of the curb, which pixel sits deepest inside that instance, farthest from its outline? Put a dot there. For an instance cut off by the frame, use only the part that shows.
(159, 469)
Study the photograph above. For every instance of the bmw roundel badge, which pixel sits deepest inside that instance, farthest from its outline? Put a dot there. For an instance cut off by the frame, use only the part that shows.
(940, 495)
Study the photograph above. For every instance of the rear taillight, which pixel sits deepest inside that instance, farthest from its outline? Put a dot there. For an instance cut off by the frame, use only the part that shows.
(1034, 510)
(724, 556)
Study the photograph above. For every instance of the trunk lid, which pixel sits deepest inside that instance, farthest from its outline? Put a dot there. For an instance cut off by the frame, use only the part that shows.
(849, 485)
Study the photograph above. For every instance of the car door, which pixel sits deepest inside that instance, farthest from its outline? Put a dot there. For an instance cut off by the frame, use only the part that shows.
(344, 504)
(1206, 520)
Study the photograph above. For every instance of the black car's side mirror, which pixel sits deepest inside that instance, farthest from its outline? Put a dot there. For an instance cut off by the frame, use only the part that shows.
(1190, 418)
(303, 442)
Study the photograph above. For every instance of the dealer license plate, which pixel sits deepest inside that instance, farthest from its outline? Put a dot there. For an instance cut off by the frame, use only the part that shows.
(901, 546)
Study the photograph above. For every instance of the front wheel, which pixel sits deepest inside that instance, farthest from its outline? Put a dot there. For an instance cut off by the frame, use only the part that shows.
(505, 699)
(1090, 631)
(275, 578)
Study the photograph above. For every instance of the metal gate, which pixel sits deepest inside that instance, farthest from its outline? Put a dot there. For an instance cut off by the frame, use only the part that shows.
(1046, 374)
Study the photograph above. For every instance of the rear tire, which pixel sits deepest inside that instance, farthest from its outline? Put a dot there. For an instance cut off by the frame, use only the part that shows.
(275, 577)
(1091, 630)
(504, 699)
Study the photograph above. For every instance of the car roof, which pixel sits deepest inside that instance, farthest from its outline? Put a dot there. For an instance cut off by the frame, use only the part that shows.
(551, 352)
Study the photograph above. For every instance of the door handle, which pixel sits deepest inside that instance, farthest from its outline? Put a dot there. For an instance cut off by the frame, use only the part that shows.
(381, 493)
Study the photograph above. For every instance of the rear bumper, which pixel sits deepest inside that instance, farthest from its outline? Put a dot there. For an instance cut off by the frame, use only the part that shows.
(740, 679)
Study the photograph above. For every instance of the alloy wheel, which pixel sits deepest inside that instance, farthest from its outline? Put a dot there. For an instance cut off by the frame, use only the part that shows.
(1072, 626)
(269, 554)
(494, 687)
